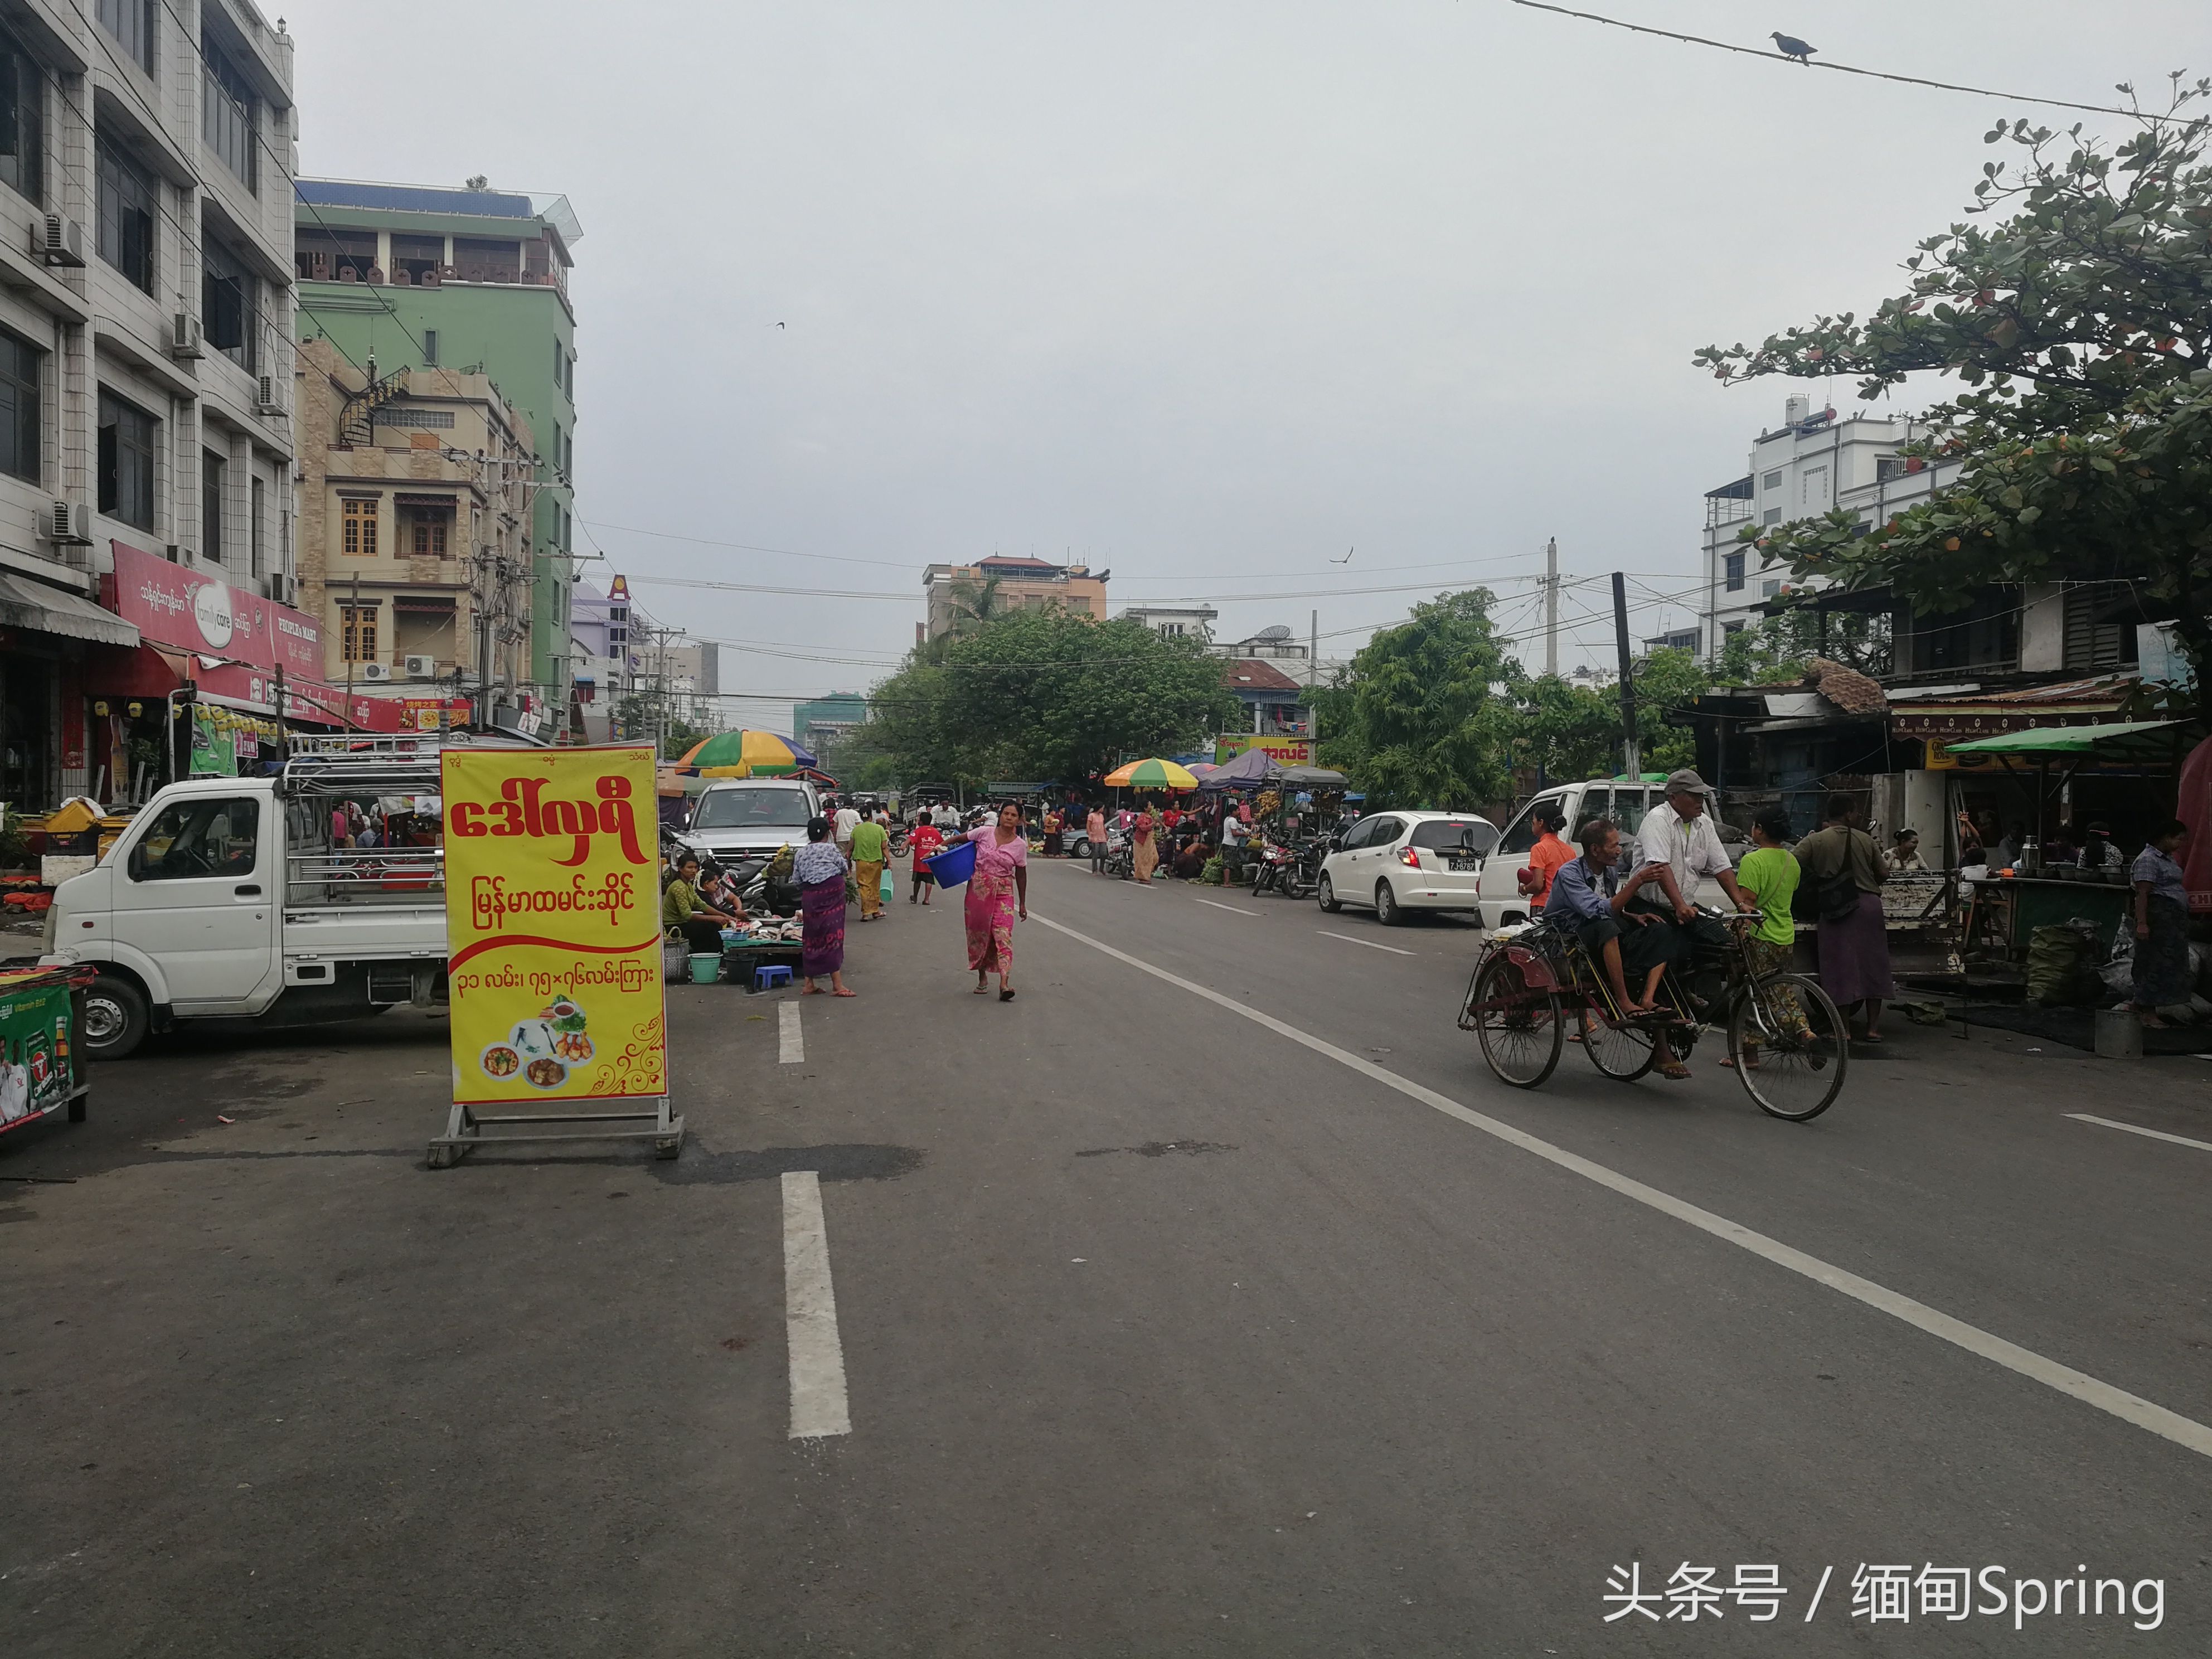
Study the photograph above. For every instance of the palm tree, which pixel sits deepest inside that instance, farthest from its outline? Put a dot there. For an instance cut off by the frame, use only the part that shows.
(975, 603)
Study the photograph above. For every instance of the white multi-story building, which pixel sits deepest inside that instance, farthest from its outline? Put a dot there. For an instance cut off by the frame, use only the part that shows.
(146, 166)
(1175, 621)
(1816, 463)
(1809, 465)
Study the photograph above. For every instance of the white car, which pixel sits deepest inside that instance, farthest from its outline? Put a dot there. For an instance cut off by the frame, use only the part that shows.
(748, 817)
(1401, 861)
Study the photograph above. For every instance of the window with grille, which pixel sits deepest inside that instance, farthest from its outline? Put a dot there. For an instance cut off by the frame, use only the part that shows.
(360, 529)
(432, 529)
(1772, 481)
(126, 462)
(229, 112)
(22, 122)
(21, 363)
(357, 632)
(229, 304)
(483, 260)
(131, 23)
(129, 199)
(415, 258)
(212, 469)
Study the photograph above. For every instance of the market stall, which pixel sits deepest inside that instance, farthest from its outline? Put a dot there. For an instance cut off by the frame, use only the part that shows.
(2004, 908)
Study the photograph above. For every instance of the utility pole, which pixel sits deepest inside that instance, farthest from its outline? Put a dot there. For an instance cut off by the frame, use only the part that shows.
(1629, 761)
(1552, 607)
(1313, 669)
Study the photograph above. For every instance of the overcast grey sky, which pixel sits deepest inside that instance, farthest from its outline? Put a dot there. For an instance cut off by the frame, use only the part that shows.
(1207, 294)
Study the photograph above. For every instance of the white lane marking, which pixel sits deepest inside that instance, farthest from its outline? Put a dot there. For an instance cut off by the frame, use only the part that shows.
(1233, 909)
(810, 1314)
(790, 1041)
(2137, 1129)
(1368, 943)
(2129, 1408)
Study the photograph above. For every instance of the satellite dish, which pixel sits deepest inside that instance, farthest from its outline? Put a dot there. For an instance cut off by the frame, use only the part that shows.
(1278, 632)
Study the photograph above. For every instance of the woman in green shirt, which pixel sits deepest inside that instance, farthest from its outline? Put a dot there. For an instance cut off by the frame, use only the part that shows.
(1768, 878)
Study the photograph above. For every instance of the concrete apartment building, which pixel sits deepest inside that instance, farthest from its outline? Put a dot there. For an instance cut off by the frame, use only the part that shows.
(415, 495)
(145, 322)
(1015, 585)
(616, 651)
(1816, 463)
(475, 281)
(1174, 622)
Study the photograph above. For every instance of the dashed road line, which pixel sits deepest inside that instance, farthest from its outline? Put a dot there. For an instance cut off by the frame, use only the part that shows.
(790, 1041)
(1233, 909)
(2137, 1129)
(2079, 1385)
(818, 1404)
(1368, 943)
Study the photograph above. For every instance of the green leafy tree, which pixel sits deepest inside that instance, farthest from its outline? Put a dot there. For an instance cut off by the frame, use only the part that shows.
(2078, 326)
(1775, 650)
(1065, 696)
(1415, 719)
(1567, 732)
(1045, 694)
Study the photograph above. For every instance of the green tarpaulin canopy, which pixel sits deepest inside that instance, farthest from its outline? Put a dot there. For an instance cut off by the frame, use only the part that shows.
(2119, 740)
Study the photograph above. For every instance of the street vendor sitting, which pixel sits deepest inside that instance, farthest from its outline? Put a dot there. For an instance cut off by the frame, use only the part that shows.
(682, 910)
(1588, 896)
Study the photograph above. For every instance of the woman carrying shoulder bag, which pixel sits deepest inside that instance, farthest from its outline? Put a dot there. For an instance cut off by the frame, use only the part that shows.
(1843, 871)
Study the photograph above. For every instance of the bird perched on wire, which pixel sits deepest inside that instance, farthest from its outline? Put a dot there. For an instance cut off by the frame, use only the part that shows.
(1790, 46)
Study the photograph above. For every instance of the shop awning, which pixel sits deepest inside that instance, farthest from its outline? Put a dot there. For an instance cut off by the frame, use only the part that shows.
(2117, 740)
(43, 610)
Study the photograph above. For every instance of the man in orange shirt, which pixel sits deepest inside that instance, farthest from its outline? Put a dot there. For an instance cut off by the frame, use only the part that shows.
(1546, 857)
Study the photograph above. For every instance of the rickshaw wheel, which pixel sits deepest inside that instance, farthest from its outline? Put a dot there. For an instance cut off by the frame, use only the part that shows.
(1522, 1041)
(1624, 1052)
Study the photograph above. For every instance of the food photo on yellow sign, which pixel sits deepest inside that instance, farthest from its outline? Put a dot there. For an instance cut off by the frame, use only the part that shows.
(553, 943)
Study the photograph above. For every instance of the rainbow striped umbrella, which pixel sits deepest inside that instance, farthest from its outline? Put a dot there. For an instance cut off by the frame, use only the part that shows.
(744, 754)
(1151, 774)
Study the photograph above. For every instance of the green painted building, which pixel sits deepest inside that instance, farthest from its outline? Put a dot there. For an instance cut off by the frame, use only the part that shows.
(820, 723)
(420, 276)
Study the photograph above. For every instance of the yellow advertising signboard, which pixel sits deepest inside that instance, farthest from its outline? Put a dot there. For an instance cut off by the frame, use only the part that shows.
(1284, 752)
(553, 930)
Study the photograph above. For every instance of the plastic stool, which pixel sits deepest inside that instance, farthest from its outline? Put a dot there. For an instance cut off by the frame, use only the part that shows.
(770, 974)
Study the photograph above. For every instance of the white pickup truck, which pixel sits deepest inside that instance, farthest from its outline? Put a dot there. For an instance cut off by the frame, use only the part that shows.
(227, 899)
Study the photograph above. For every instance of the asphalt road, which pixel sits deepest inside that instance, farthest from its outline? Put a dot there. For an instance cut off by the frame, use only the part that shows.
(1164, 1329)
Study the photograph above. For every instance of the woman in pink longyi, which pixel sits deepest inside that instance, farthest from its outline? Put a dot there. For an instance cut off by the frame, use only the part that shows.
(997, 893)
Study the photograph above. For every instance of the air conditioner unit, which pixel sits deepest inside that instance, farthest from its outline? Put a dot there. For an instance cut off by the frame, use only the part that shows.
(277, 586)
(265, 397)
(57, 240)
(184, 338)
(70, 523)
(422, 668)
(371, 671)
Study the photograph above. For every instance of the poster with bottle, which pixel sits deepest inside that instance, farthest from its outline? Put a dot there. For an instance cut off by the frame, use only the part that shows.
(553, 925)
(36, 1070)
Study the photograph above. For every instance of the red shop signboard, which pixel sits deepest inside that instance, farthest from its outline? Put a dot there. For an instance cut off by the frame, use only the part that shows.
(186, 611)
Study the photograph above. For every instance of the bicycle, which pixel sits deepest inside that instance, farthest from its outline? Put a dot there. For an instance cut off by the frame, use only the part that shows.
(1787, 1042)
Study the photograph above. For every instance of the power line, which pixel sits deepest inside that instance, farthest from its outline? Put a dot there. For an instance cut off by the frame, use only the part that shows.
(1843, 68)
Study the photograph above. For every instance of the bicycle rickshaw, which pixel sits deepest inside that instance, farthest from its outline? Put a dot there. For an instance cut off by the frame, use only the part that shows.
(1788, 1043)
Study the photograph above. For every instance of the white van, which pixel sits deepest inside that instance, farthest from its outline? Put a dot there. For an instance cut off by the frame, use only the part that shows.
(1625, 803)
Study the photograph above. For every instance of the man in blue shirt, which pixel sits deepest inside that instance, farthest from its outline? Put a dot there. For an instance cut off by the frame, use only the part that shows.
(1589, 896)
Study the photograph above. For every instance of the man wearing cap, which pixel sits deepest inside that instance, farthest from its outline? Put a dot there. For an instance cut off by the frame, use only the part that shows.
(1676, 843)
